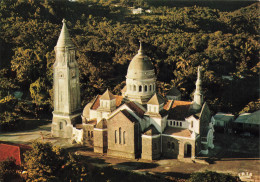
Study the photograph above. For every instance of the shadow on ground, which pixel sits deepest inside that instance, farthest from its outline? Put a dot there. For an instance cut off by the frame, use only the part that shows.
(174, 175)
(136, 165)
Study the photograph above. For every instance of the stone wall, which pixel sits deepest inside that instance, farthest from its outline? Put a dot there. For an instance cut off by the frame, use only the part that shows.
(62, 125)
(151, 147)
(126, 143)
(100, 140)
(178, 147)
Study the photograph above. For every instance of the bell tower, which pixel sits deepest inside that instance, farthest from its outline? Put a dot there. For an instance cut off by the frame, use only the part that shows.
(65, 85)
(198, 95)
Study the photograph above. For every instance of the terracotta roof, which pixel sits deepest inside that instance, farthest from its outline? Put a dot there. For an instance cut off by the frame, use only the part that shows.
(173, 92)
(177, 132)
(179, 110)
(107, 95)
(151, 130)
(96, 102)
(129, 116)
(102, 124)
(157, 99)
(119, 99)
(168, 105)
(12, 151)
(137, 110)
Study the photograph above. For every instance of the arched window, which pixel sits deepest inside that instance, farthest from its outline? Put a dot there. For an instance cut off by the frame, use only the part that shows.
(124, 137)
(191, 124)
(150, 89)
(180, 123)
(145, 88)
(140, 88)
(119, 135)
(115, 136)
(177, 123)
(134, 87)
(61, 125)
(171, 123)
(88, 133)
(91, 134)
(169, 145)
(174, 123)
(173, 146)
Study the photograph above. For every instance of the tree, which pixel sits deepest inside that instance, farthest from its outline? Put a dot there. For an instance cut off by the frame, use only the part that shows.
(8, 171)
(50, 163)
(212, 176)
(43, 162)
(251, 107)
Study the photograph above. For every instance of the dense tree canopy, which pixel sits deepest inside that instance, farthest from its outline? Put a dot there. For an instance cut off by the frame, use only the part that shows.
(177, 39)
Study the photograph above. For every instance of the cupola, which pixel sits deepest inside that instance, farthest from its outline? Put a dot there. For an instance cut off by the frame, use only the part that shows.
(140, 78)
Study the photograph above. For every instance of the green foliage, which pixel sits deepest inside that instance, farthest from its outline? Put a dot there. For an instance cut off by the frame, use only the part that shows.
(43, 162)
(9, 171)
(50, 163)
(251, 107)
(8, 118)
(177, 39)
(212, 176)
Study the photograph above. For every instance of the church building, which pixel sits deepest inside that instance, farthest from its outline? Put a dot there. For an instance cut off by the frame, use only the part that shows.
(140, 123)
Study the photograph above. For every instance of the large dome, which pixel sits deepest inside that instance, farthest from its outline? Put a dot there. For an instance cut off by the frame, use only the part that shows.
(140, 79)
(140, 63)
(140, 66)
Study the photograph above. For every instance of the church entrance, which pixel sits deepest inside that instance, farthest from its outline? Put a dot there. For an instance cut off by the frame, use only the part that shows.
(187, 150)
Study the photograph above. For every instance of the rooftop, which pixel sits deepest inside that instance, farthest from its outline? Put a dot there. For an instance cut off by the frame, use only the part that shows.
(156, 99)
(177, 132)
(179, 110)
(249, 118)
(151, 130)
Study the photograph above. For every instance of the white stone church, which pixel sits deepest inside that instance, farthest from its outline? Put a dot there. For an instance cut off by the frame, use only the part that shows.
(140, 123)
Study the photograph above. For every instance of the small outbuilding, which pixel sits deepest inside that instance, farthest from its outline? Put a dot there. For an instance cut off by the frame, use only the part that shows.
(222, 121)
(247, 123)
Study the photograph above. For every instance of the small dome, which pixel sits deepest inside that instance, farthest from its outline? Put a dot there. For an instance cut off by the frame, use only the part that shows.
(139, 65)
(173, 92)
(86, 109)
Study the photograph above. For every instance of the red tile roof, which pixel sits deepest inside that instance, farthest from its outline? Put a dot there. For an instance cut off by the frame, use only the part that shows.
(137, 110)
(129, 116)
(96, 103)
(168, 105)
(12, 151)
(178, 132)
(179, 110)
(119, 99)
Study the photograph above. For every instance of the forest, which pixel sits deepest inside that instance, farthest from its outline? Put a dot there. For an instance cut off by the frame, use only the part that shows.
(177, 39)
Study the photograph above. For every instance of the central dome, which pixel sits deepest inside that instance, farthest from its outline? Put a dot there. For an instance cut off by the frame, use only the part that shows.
(140, 78)
(140, 62)
(140, 66)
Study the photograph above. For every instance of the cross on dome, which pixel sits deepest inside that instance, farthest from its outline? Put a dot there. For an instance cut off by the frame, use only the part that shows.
(63, 20)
